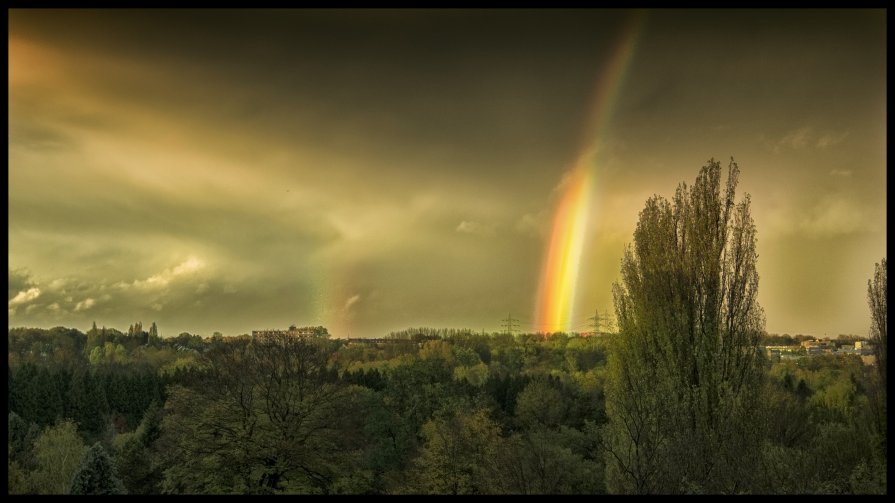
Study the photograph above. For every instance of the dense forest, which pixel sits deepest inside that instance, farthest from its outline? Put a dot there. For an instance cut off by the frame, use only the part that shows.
(419, 413)
(682, 398)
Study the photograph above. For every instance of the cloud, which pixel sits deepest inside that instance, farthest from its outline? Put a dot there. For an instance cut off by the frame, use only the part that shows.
(85, 304)
(354, 299)
(165, 277)
(830, 139)
(841, 172)
(70, 299)
(348, 310)
(476, 228)
(565, 180)
(797, 139)
(19, 280)
(805, 138)
(532, 225)
(829, 217)
(835, 217)
(25, 296)
(302, 193)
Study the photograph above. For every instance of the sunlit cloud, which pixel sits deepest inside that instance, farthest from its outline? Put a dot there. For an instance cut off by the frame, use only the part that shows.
(25, 297)
(477, 228)
(85, 304)
(827, 217)
(831, 139)
(18, 281)
(351, 301)
(165, 277)
(807, 137)
(832, 217)
(532, 225)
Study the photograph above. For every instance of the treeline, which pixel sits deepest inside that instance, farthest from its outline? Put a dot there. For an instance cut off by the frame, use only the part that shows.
(795, 340)
(467, 413)
(358, 417)
(426, 333)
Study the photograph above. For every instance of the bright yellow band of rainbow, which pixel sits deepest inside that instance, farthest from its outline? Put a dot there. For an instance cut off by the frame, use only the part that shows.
(562, 261)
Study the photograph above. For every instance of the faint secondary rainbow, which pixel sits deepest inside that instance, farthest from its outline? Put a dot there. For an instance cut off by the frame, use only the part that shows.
(560, 274)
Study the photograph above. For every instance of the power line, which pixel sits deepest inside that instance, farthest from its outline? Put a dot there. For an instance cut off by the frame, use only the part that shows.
(558, 326)
(597, 321)
(554, 327)
(510, 324)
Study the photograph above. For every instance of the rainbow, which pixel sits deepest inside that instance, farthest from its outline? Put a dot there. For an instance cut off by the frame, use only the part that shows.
(559, 278)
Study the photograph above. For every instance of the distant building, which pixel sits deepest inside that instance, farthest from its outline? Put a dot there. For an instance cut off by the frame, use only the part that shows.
(865, 348)
(782, 351)
(814, 347)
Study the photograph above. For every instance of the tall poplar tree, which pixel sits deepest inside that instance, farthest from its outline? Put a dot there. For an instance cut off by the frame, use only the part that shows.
(684, 369)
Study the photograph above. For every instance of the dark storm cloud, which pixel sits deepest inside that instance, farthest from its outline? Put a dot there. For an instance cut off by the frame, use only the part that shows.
(471, 86)
(369, 169)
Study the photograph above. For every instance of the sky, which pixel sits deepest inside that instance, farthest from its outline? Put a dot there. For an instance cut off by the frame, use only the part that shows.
(375, 170)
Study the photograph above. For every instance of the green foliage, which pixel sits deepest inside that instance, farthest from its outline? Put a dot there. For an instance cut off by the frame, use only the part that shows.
(684, 370)
(56, 347)
(57, 453)
(869, 477)
(439, 411)
(16, 479)
(87, 402)
(457, 455)
(549, 461)
(96, 474)
(36, 395)
(541, 403)
(137, 466)
(876, 296)
(20, 439)
(476, 375)
(265, 418)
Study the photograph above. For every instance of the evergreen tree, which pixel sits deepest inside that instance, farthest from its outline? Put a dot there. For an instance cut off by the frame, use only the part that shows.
(36, 397)
(153, 338)
(10, 386)
(87, 402)
(136, 466)
(20, 439)
(96, 474)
